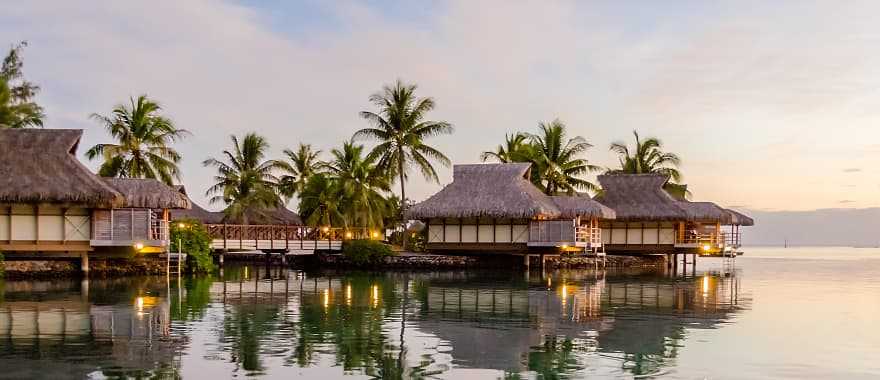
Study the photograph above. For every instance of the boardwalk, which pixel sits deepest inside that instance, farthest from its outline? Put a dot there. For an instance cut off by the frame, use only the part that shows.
(275, 238)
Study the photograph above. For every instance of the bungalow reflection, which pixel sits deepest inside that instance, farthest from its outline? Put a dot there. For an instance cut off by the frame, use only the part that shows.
(548, 325)
(112, 327)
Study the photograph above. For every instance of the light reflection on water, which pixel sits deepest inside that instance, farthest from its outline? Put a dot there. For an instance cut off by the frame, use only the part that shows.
(272, 322)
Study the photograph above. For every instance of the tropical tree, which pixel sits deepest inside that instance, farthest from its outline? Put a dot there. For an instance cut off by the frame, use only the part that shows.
(647, 156)
(297, 168)
(17, 108)
(319, 202)
(400, 127)
(516, 148)
(245, 181)
(558, 162)
(360, 184)
(142, 137)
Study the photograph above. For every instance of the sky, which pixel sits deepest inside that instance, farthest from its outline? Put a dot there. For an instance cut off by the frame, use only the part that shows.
(772, 105)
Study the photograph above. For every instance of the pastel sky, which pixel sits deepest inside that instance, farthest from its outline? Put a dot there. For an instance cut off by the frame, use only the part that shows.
(772, 105)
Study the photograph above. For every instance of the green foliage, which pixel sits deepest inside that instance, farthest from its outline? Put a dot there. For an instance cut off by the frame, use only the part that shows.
(415, 241)
(198, 297)
(142, 138)
(296, 170)
(351, 192)
(17, 109)
(647, 156)
(195, 242)
(558, 163)
(245, 181)
(400, 128)
(365, 252)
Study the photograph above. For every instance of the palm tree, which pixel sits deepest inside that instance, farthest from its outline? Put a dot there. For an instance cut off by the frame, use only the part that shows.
(142, 143)
(319, 202)
(558, 166)
(400, 128)
(245, 182)
(299, 166)
(648, 156)
(360, 184)
(516, 148)
(17, 109)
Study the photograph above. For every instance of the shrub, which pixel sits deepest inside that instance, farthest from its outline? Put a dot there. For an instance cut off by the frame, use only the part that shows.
(364, 252)
(195, 242)
(414, 243)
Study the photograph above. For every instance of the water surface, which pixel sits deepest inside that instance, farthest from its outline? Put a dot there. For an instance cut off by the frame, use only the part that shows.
(777, 313)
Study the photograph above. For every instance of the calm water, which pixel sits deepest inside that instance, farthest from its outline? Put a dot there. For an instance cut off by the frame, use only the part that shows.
(779, 313)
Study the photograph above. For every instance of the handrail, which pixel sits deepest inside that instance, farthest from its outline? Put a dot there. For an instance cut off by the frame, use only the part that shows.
(288, 232)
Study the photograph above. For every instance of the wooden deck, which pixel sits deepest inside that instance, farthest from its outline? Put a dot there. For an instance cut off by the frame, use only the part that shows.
(280, 238)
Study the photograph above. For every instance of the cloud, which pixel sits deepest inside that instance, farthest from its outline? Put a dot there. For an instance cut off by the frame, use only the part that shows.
(712, 81)
(852, 170)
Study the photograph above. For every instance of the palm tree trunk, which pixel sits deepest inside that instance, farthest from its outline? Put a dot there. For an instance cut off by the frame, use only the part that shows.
(400, 167)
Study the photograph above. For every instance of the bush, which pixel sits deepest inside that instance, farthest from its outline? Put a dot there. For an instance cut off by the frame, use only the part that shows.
(195, 242)
(364, 252)
(414, 243)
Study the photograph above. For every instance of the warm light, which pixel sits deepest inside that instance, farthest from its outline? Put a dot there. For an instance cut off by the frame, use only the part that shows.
(705, 285)
(375, 234)
(181, 225)
(348, 235)
(348, 294)
(375, 295)
(245, 273)
(564, 291)
(707, 247)
(325, 229)
(326, 297)
(565, 246)
(139, 303)
(549, 283)
(139, 246)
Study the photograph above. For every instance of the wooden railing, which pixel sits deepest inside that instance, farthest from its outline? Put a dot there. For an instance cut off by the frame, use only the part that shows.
(591, 235)
(287, 236)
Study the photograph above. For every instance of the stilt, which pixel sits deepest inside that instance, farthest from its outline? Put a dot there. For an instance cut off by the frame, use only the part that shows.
(222, 254)
(84, 264)
(526, 261)
(674, 264)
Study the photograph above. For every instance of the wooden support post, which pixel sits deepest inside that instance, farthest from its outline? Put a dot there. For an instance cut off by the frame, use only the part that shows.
(526, 261)
(36, 224)
(84, 264)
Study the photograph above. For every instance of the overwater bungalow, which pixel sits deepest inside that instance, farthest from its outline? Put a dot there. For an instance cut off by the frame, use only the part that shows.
(649, 220)
(52, 206)
(495, 208)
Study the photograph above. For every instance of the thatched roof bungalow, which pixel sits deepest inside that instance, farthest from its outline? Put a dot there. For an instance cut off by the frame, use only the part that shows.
(50, 202)
(494, 207)
(648, 218)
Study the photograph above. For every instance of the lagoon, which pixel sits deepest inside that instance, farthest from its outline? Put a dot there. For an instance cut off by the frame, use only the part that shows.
(776, 313)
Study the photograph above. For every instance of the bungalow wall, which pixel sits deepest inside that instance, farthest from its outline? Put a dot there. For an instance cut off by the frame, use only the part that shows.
(48, 227)
(647, 233)
(478, 230)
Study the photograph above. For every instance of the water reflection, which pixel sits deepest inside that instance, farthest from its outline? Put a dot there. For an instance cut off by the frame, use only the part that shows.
(256, 320)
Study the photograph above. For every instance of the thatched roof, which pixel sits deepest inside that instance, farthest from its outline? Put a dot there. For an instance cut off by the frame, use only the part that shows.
(705, 212)
(148, 193)
(40, 165)
(581, 205)
(275, 216)
(639, 197)
(738, 218)
(195, 211)
(499, 191)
